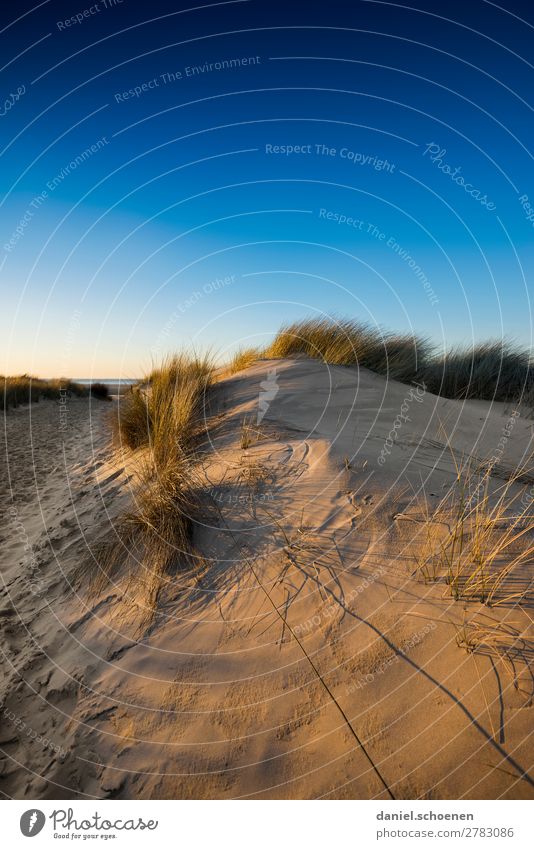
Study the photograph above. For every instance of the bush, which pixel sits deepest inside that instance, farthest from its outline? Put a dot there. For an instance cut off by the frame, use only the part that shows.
(100, 391)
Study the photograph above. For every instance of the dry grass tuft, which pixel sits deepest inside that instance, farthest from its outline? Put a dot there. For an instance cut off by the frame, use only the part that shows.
(489, 638)
(167, 406)
(505, 643)
(161, 422)
(26, 389)
(491, 371)
(248, 434)
(494, 370)
(157, 533)
(244, 358)
(348, 342)
(480, 538)
(132, 425)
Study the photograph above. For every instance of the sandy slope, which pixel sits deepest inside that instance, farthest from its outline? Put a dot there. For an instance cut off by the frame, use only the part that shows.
(221, 695)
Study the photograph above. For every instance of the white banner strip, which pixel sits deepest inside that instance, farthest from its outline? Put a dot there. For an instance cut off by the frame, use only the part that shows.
(264, 824)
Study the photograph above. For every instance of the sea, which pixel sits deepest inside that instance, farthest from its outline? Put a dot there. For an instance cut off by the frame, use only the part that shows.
(109, 381)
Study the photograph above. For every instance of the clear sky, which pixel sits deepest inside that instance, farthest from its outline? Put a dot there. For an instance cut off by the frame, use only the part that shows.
(174, 178)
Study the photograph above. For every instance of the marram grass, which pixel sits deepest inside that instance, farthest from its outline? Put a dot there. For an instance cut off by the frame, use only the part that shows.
(492, 371)
(161, 421)
(26, 389)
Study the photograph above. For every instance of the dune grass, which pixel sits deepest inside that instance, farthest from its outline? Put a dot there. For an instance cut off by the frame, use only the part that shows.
(480, 538)
(493, 370)
(243, 358)
(161, 421)
(348, 342)
(166, 405)
(495, 639)
(27, 389)
(490, 371)
(157, 532)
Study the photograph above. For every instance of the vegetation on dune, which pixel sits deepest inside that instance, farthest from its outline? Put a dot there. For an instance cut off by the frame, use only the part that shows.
(100, 391)
(474, 541)
(494, 370)
(167, 404)
(161, 421)
(348, 342)
(26, 389)
(479, 539)
(244, 358)
(490, 371)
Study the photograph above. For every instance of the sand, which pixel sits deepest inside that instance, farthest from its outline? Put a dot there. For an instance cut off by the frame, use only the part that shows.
(303, 658)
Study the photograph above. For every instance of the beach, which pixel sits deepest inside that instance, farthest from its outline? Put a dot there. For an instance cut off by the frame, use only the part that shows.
(304, 655)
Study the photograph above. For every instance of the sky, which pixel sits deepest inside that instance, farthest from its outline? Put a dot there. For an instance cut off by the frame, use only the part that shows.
(179, 176)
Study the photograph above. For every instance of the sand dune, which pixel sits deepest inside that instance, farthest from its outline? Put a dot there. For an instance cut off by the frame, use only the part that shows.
(303, 657)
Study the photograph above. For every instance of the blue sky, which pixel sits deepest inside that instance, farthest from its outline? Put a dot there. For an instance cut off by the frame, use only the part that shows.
(363, 159)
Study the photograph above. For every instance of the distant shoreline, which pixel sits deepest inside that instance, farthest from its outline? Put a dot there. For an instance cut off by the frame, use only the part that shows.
(107, 380)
